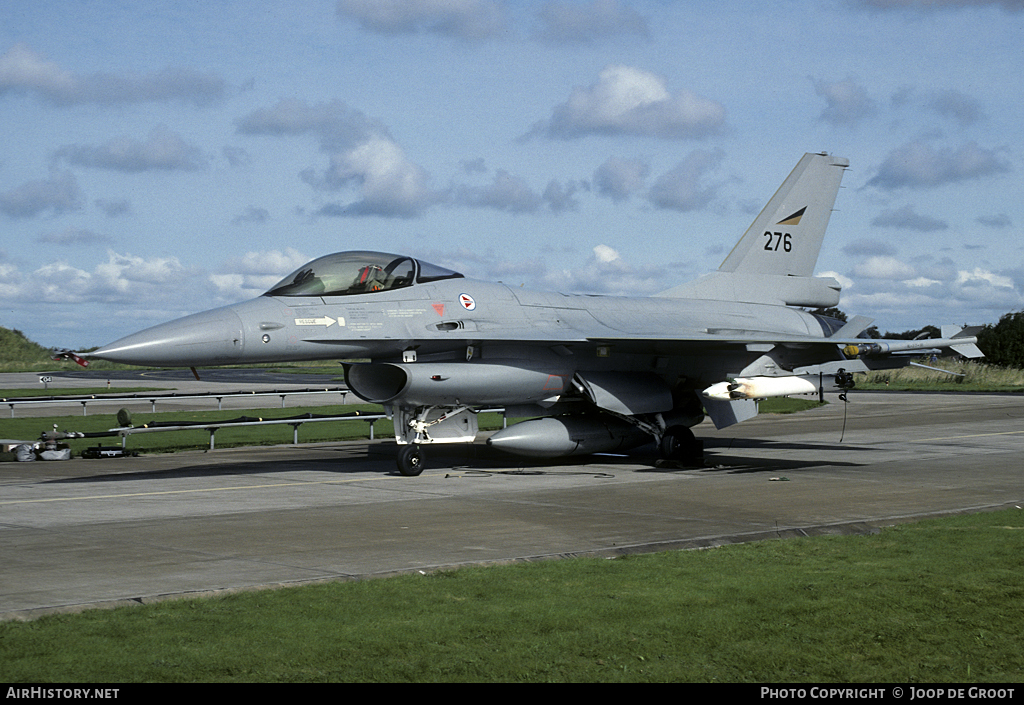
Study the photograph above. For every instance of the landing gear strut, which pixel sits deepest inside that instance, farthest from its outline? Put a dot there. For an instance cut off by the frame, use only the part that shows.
(410, 460)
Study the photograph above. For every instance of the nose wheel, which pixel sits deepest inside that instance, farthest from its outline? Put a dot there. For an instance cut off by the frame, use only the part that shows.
(410, 459)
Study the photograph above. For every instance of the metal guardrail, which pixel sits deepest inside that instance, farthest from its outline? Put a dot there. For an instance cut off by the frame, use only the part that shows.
(85, 400)
(124, 432)
(214, 427)
(294, 422)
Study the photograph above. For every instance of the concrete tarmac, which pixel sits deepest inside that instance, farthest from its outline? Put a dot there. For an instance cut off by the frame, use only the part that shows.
(87, 533)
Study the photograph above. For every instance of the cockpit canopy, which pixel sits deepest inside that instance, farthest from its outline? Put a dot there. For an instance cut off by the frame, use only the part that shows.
(347, 273)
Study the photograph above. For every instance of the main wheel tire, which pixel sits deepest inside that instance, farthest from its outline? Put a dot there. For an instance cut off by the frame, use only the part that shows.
(410, 460)
(679, 444)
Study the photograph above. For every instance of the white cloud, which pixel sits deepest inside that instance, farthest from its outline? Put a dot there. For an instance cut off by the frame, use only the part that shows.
(907, 219)
(901, 298)
(868, 246)
(954, 104)
(1000, 220)
(512, 194)
(627, 100)
(559, 198)
(72, 236)
(229, 285)
(123, 272)
(252, 215)
(163, 150)
(270, 262)
(149, 290)
(618, 179)
(847, 102)
(124, 279)
(884, 267)
(981, 276)
(459, 19)
(577, 23)
(58, 194)
(362, 156)
(22, 69)
(919, 165)
(682, 187)
(335, 125)
(255, 272)
(389, 184)
(605, 254)
(605, 272)
(506, 192)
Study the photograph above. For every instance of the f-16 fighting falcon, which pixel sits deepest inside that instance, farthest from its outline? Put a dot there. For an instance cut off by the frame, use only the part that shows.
(589, 373)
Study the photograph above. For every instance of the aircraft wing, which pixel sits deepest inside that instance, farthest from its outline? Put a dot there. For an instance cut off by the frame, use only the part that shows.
(962, 342)
(750, 340)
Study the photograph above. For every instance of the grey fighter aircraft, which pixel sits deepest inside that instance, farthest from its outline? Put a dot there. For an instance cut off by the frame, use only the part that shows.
(590, 373)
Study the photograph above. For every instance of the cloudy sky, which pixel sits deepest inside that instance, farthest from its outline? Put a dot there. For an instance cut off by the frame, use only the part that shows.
(165, 157)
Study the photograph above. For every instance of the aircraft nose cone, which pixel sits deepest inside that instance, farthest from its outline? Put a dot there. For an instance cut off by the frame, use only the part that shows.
(208, 338)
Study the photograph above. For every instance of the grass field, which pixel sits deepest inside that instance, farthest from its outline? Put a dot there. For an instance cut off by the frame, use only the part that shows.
(937, 601)
(74, 391)
(968, 376)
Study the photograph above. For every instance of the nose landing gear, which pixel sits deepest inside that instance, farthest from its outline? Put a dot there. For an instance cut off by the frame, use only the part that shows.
(410, 459)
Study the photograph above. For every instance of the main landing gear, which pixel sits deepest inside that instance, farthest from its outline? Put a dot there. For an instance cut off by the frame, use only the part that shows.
(679, 445)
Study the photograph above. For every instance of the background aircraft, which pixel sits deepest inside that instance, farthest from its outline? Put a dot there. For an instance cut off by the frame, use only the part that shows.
(591, 373)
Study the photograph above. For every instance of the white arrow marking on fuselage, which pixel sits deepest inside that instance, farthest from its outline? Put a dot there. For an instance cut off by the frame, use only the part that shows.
(325, 321)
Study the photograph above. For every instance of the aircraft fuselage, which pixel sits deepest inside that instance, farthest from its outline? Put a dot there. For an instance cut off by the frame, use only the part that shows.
(447, 318)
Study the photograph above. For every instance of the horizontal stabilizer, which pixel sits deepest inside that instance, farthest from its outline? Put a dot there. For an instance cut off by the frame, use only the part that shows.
(777, 289)
(967, 348)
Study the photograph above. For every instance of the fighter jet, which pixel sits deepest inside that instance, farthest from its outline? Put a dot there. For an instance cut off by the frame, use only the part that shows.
(589, 373)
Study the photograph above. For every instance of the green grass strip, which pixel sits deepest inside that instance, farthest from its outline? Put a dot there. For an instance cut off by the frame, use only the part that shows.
(74, 391)
(936, 601)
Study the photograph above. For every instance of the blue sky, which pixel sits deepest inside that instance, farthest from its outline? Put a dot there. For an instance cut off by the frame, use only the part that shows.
(163, 157)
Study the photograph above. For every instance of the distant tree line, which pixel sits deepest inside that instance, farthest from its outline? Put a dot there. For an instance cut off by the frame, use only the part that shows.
(1003, 343)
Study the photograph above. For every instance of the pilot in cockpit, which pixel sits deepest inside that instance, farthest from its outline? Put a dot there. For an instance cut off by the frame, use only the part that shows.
(372, 277)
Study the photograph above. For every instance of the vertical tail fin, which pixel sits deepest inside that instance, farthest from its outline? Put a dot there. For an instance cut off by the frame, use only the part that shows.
(786, 237)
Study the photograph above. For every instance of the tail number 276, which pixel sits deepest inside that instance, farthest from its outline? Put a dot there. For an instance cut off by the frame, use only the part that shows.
(774, 240)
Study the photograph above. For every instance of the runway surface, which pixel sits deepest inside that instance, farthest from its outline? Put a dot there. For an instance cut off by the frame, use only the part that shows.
(116, 531)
